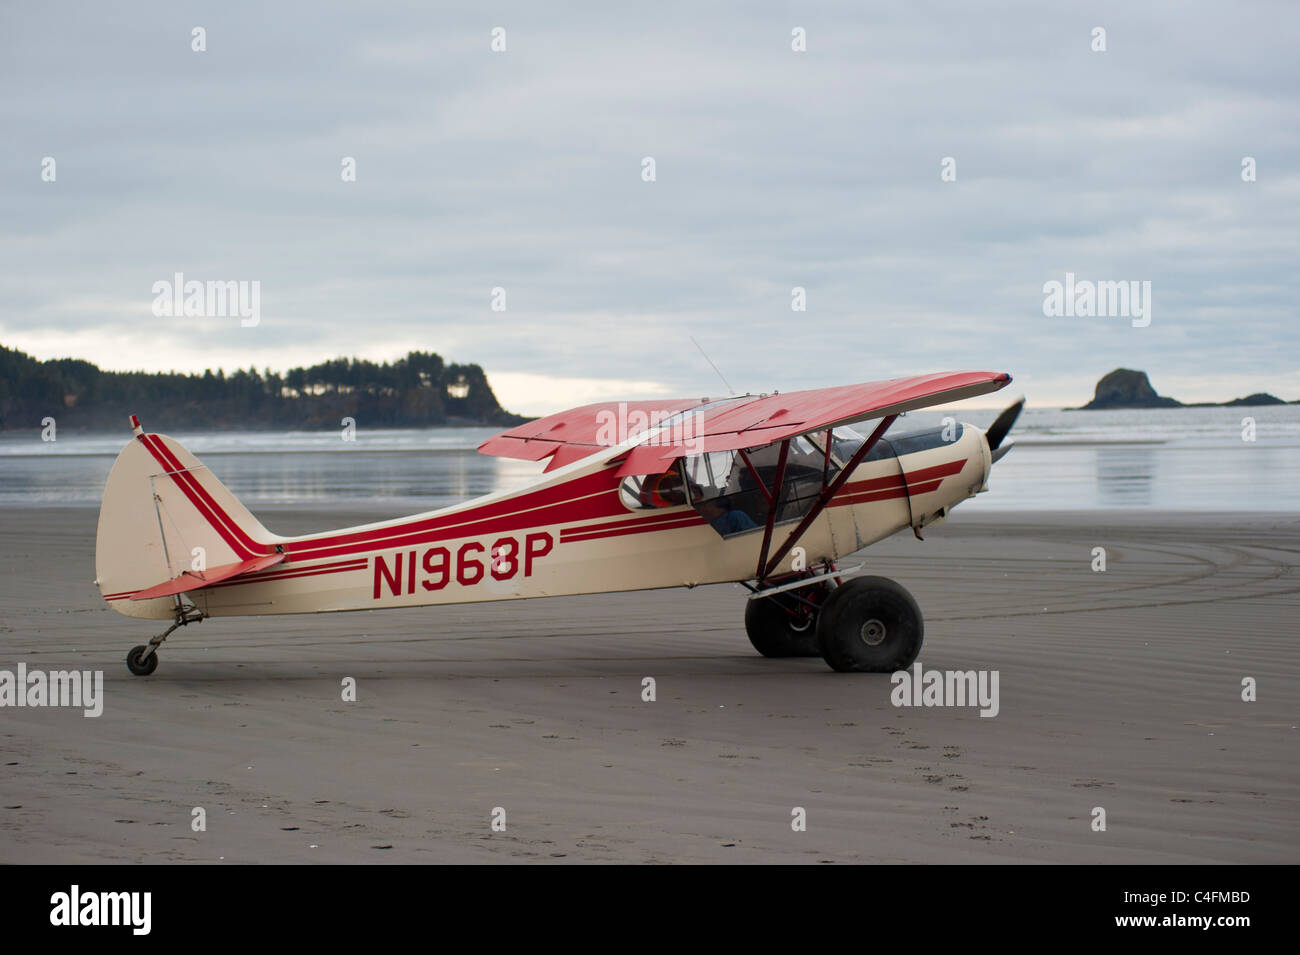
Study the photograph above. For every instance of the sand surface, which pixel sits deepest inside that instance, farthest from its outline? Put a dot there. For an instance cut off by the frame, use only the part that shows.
(1119, 689)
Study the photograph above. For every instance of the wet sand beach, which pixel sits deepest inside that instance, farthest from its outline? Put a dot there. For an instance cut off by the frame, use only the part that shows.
(1120, 690)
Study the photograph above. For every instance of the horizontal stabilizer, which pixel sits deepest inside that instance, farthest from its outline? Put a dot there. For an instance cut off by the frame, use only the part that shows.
(198, 579)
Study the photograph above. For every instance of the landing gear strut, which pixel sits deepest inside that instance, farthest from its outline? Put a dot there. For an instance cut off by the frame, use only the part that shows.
(143, 660)
(781, 620)
(862, 625)
(785, 625)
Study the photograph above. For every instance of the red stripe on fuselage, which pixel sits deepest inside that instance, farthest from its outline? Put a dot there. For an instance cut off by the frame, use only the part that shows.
(896, 480)
(280, 573)
(583, 498)
(686, 520)
(304, 572)
(634, 522)
(886, 494)
(400, 536)
(285, 570)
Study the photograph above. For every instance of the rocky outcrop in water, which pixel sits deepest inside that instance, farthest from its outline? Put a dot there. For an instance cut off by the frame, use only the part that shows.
(1125, 388)
(1255, 400)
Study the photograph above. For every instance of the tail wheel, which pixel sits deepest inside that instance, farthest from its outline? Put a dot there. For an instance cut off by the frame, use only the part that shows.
(138, 666)
(784, 627)
(870, 625)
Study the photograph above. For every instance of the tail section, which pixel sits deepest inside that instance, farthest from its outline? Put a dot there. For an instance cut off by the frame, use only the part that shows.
(165, 522)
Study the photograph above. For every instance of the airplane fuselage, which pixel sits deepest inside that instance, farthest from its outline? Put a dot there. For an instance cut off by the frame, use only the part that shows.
(571, 532)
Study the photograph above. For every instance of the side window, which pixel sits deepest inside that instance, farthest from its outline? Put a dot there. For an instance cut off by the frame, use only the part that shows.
(648, 491)
(709, 475)
(724, 492)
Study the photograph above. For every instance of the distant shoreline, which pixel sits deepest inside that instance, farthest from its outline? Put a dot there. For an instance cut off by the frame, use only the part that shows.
(1126, 389)
(419, 390)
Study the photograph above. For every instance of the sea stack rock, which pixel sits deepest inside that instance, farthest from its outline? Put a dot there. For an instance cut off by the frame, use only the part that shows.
(1256, 400)
(1125, 388)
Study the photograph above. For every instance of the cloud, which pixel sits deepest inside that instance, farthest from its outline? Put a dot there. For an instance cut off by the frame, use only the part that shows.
(774, 169)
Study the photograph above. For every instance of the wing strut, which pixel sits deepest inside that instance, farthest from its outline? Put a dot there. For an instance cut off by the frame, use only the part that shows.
(765, 565)
(774, 505)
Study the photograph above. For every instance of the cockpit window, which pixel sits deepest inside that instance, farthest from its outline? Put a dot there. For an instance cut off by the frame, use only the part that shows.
(844, 442)
(728, 488)
(708, 474)
(647, 491)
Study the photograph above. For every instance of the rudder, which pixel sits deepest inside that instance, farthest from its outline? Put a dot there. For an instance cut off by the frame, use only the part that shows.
(165, 513)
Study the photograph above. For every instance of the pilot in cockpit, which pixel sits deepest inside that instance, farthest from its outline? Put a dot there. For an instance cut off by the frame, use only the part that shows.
(719, 512)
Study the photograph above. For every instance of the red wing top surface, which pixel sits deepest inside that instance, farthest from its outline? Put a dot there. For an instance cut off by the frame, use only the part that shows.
(730, 424)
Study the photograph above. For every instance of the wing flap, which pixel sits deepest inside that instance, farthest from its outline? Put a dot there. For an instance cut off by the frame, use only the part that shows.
(568, 453)
(525, 449)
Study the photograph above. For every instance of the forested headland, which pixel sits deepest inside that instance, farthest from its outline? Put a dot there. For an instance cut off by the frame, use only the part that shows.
(419, 390)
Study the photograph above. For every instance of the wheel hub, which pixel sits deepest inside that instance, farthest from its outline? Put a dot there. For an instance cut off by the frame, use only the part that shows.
(873, 632)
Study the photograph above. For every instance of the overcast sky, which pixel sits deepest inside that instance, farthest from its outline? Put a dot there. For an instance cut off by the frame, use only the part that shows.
(523, 169)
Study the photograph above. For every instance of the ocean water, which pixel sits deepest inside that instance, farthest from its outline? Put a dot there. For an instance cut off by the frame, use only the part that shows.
(1175, 458)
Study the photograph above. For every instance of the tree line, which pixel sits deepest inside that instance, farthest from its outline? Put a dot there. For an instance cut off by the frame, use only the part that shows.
(418, 390)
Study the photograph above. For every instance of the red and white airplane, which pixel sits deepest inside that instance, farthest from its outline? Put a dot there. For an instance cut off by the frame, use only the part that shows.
(765, 490)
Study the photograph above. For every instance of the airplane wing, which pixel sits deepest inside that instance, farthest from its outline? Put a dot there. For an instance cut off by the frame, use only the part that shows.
(571, 435)
(198, 579)
(749, 421)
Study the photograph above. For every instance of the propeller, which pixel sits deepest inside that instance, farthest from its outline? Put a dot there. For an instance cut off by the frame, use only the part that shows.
(998, 430)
